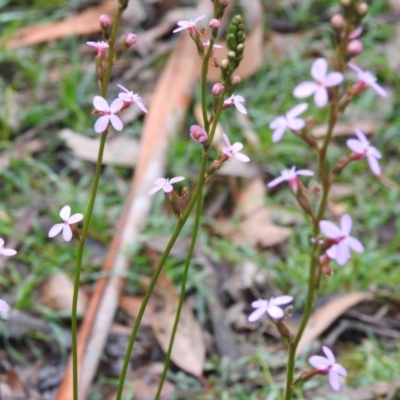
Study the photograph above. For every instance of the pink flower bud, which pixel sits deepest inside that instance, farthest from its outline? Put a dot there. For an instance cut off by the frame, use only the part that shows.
(131, 39)
(337, 22)
(354, 48)
(235, 80)
(214, 23)
(105, 21)
(224, 2)
(198, 134)
(217, 89)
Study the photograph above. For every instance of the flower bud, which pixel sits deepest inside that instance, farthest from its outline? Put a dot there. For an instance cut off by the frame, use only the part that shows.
(362, 9)
(198, 134)
(131, 39)
(337, 22)
(105, 21)
(217, 89)
(224, 2)
(235, 80)
(224, 64)
(354, 48)
(214, 24)
(345, 3)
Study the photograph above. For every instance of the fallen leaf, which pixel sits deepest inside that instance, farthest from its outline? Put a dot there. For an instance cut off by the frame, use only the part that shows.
(12, 386)
(131, 305)
(56, 293)
(325, 316)
(346, 129)
(189, 350)
(120, 150)
(340, 191)
(20, 151)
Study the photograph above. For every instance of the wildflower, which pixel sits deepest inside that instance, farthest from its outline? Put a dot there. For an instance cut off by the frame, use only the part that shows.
(365, 78)
(165, 184)
(363, 148)
(217, 89)
(214, 23)
(198, 134)
(100, 46)
(190, 25)
(291, 176)
(236, 100)
(323, 80)
(270, 307)
(215, 45)
(329, 365)
(233, 150)
(4, 310)
(6, 252)
(105, 22)
(341, 238)
(109, 114)
(289, 120)
(129, 97)
(65, 227)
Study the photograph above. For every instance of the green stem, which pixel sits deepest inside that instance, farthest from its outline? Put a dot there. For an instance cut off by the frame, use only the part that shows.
(89, 212)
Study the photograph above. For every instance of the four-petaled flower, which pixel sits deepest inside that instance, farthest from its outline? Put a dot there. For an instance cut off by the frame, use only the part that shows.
(4, 251)
(236, 100)
(190, 25)
(129, 97)
(323, 80)
(100, 46)
(68, 220)
(270, 306)
(341, 238)
(329, 365)
(108, 114)
(291, 176)
(366, 78)
(363, 148)
(165, 184)
(289, 120)
(234, 150)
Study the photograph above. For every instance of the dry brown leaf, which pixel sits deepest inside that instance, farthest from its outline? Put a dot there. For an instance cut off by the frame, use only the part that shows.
(12, 386)
(346, 129)
(339, 191)
(336, 208)
(189, 349)
(56, 293)
(280, 47)
(323, 317)
(20, 151)
(81, 24)
(120, 150)
(131, 305)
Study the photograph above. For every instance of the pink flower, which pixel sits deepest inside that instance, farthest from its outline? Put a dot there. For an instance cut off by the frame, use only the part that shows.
(4, 310)
(6, 252)
(190, 25)
(108, 114)
(329, 365)
(129, 97)
(323, 80)
(341, 238)
(217, 88)
(214, 23)
(236, 100)
(233, 150)
(363, 148)
(165, 184)
(68, 220)
(291, 176)
(100, 46)
(365, 78)
(289, 120)
(198, 134)
(270, 307)
(215, 45)
(131, 39)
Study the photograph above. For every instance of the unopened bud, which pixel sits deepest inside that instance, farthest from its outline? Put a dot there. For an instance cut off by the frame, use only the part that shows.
(354, 48)
(362, 9)
(235, 80)
(105, 21)
(131, 39)
(198, 134)
(214, 24)
(345, 3)
(337, 22)
(224, 2)
(217, 89)
(224, 64)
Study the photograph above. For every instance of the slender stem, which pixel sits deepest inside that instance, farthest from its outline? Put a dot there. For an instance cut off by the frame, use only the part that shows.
(89, 211)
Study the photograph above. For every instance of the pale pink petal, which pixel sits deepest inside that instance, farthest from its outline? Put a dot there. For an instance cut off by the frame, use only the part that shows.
(278, 122)
(279, 300)
(355, 67)
(296, 124)
(8, 252)
(1, 242)
(374, 152)
(374, 164)
(67, 233)
(73, 219)
(329, 355)
(65, 213)
(319, 69)
(319, 362)
(339, 369)
(305, 172)
(346, 224)
(378, 89)
(168, 188)
(355, 244)
(304, 89)
(3, 305)
(321, 97)
(276, 181)
(257, 314)
(140, 104)
(100, 104)
(275, 311)
(236, 147)
(226, 140)
(154, 189)
(199, 18)
(297, 110)
(241, 157)
(116, 122)
(331, 252)
(55, 230)
(176, 179)
(116, 106)
(334, 380)
(333, 79)
(123, 88)
(160, 181)
(356, 146)
(330, 230)
(342, 253)
(259, 303)
(179, 29)
(102, 123)
(240, 107)
(361, 137)
(278, 133)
